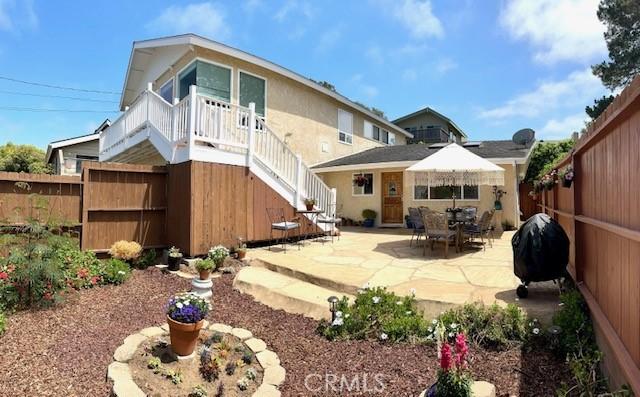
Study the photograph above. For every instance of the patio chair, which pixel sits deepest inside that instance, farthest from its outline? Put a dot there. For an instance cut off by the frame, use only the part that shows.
(436, 227)
(418, 226)
(481, 229)
(278, 222)
(469, 213)
(331, 220)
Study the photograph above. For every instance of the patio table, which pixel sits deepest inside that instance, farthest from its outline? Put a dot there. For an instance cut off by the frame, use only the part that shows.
(312, 218)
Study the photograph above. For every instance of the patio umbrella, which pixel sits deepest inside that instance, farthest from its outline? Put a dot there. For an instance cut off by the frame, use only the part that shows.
(454, 165)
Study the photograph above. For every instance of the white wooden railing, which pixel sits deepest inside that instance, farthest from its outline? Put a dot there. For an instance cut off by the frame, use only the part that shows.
(198, 119)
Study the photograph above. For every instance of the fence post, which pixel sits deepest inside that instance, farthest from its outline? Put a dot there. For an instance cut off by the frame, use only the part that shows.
(296, 198)
(251, 136)
(193, 103)
(174, 120)
(334, 202)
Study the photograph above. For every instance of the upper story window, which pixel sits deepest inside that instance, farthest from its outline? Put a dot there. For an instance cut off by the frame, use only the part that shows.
(253, 89)
(345, 126)
(212, 80)
(374, 132)
(166, 91)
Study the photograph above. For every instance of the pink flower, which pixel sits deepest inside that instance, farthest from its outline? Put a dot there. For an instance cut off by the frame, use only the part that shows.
(461, 350)
(4, 276)
(445, 357)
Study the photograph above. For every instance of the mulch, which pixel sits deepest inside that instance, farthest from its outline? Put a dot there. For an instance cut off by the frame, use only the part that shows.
(65, 351)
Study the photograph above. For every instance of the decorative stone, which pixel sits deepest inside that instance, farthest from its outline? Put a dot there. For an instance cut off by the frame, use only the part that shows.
(266, 390)
(274, 375)
(127, 388)
(165, 327)
(202, 288)
(256, 345)
(482, 389)
(267, 359)
(191, 262)
(117, 371)
(124, 353)
(222, 328)
(228, 270)
(205, 324)
(241, 333)
(153, 331)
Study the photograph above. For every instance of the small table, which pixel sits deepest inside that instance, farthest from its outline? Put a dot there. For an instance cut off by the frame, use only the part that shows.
(312, 217)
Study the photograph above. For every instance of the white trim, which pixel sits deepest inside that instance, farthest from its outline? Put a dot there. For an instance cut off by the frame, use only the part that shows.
(68, 142)
(222, 65)
(380, 131)
(373, 184)
(405, 163)
(266, 89)
(413, 189)
(345, 132)
(192, 39)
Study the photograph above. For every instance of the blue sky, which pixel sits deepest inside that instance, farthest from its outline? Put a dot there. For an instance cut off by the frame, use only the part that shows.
(492, 66)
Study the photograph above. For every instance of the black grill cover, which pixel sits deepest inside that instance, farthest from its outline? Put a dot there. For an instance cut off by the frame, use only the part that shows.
(540, 250)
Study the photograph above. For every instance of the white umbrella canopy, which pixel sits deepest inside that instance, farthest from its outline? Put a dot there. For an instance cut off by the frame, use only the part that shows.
(454, 165)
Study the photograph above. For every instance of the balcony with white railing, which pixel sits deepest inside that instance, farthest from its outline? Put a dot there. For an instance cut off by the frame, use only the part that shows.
(202, 128)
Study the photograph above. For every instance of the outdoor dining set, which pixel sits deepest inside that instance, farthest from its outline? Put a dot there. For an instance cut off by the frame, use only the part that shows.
(303, 225)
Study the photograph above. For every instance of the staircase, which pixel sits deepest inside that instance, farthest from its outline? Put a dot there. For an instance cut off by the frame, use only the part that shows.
(201, 128)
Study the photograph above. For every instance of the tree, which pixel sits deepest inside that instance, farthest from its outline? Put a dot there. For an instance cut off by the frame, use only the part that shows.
(325, 84)
(544, 156)
(622, 18)
(599, 106)
(23, 158)
(373, 109)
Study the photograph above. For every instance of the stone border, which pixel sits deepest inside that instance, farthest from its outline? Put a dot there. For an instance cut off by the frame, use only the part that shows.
(124, 386)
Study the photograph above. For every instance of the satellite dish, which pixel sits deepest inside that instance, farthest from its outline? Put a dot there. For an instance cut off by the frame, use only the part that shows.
(524, 137)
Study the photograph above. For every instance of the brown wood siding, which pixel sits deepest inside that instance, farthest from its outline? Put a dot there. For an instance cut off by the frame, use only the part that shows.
(601, 215)
(179, 208)
(528, 205)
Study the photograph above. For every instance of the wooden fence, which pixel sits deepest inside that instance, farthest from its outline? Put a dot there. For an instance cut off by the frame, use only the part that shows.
(601, 214)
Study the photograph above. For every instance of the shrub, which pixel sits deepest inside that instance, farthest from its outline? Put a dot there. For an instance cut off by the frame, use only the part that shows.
(205, 264)
(125, 250)
(148, 258)
(3, 323)
(116, 271)
(369, 214)
(174, 252)
(453, 378)
(573, 319)
(218, 254)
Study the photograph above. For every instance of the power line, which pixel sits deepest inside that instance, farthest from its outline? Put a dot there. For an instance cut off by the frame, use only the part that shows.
(58, 96)
(20, 109)
(59, 87)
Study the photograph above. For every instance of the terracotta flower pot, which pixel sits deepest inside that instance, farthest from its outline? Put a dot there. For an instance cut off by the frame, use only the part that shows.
(183, 336)
(241, 254)
(309, 207)
(204, 274)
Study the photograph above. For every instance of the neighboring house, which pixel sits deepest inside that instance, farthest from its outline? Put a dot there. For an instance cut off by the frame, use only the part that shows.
(65, 156)
(428, 126)
(390, 190)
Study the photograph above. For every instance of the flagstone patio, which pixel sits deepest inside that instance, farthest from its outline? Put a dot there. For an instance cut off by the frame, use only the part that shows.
(383, 257)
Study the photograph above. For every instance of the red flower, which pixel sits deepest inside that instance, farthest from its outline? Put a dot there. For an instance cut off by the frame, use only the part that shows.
(461, 350)
(4, 276)
(83, 273)
(95, 279)
(48, 296)
(445, 357)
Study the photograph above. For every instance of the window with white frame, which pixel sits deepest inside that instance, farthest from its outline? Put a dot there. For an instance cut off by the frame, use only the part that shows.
(374, 132)
(362, 184)
(212, 80)
(253, 89)
(467, 192)
(345, 126)
(166, 91)
(385, 136)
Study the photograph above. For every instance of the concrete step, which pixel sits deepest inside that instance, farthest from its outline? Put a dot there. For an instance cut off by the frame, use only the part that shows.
(280, 291)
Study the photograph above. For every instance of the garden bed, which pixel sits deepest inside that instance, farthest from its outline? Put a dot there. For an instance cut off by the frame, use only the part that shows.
(65, 351)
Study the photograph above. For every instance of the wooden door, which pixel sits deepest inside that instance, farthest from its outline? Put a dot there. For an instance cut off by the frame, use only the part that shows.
(392, 197)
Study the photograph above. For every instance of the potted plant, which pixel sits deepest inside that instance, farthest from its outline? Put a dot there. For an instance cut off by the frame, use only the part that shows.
(453, 378)
(360, 180)
(175, 256)
(204, 267)
(497, 194)
(185, 316)
(548, 181)
(218, 254)
(369, 217)
(566, 176)
(309, 203)
(241, 251)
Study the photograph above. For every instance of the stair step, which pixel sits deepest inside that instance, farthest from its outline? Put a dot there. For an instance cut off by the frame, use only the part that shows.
(280, 291)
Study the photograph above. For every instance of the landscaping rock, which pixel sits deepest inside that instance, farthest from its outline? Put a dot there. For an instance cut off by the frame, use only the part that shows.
(241, 333)
(266, 391)
(165, 327)
(117, 372)
(267, 359)
(127, 388)
(228, 270)
(153, 331)
(481, 389)
(223, 328)
(124, 353)
(274, 375)
(256, 345)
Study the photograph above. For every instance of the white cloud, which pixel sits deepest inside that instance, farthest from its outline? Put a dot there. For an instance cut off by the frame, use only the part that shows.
(411, 49)
(559, 30)
(418, 18)
(444, 65)
(374, 53)
(251, 6)
(16, 16)
(578, 88)
(291, 7)
(328, 39)
(369, 91)
(207, 19)
(562, 128)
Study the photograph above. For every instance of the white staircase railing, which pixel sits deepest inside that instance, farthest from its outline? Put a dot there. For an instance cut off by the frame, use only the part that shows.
(198, 119)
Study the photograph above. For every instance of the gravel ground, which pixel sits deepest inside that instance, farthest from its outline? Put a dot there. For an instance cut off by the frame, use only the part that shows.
(65, 351)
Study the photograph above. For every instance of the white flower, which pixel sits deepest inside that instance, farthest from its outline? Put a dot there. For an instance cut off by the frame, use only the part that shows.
(376, 299)
(434, 321)
(408, 312)
(454, 325)
(451, 334)
(120, 272)
(412, 291)
(536, 331)
(398, 303)
(384, 336)
(365, 285)
(186, 303)
(429, 337)
(337, 322)
(179, 305)
(338, 313)
(430, 329)
(346, 315)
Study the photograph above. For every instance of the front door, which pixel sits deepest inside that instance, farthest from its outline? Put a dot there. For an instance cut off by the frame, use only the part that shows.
(392, 197)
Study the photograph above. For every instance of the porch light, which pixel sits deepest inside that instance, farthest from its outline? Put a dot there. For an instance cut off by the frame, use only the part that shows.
(333, 306)
(555, 331)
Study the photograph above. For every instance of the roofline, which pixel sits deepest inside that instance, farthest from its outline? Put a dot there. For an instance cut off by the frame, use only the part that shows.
(193, 39)
(406, 164)
(68, 142)
(428, 109)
